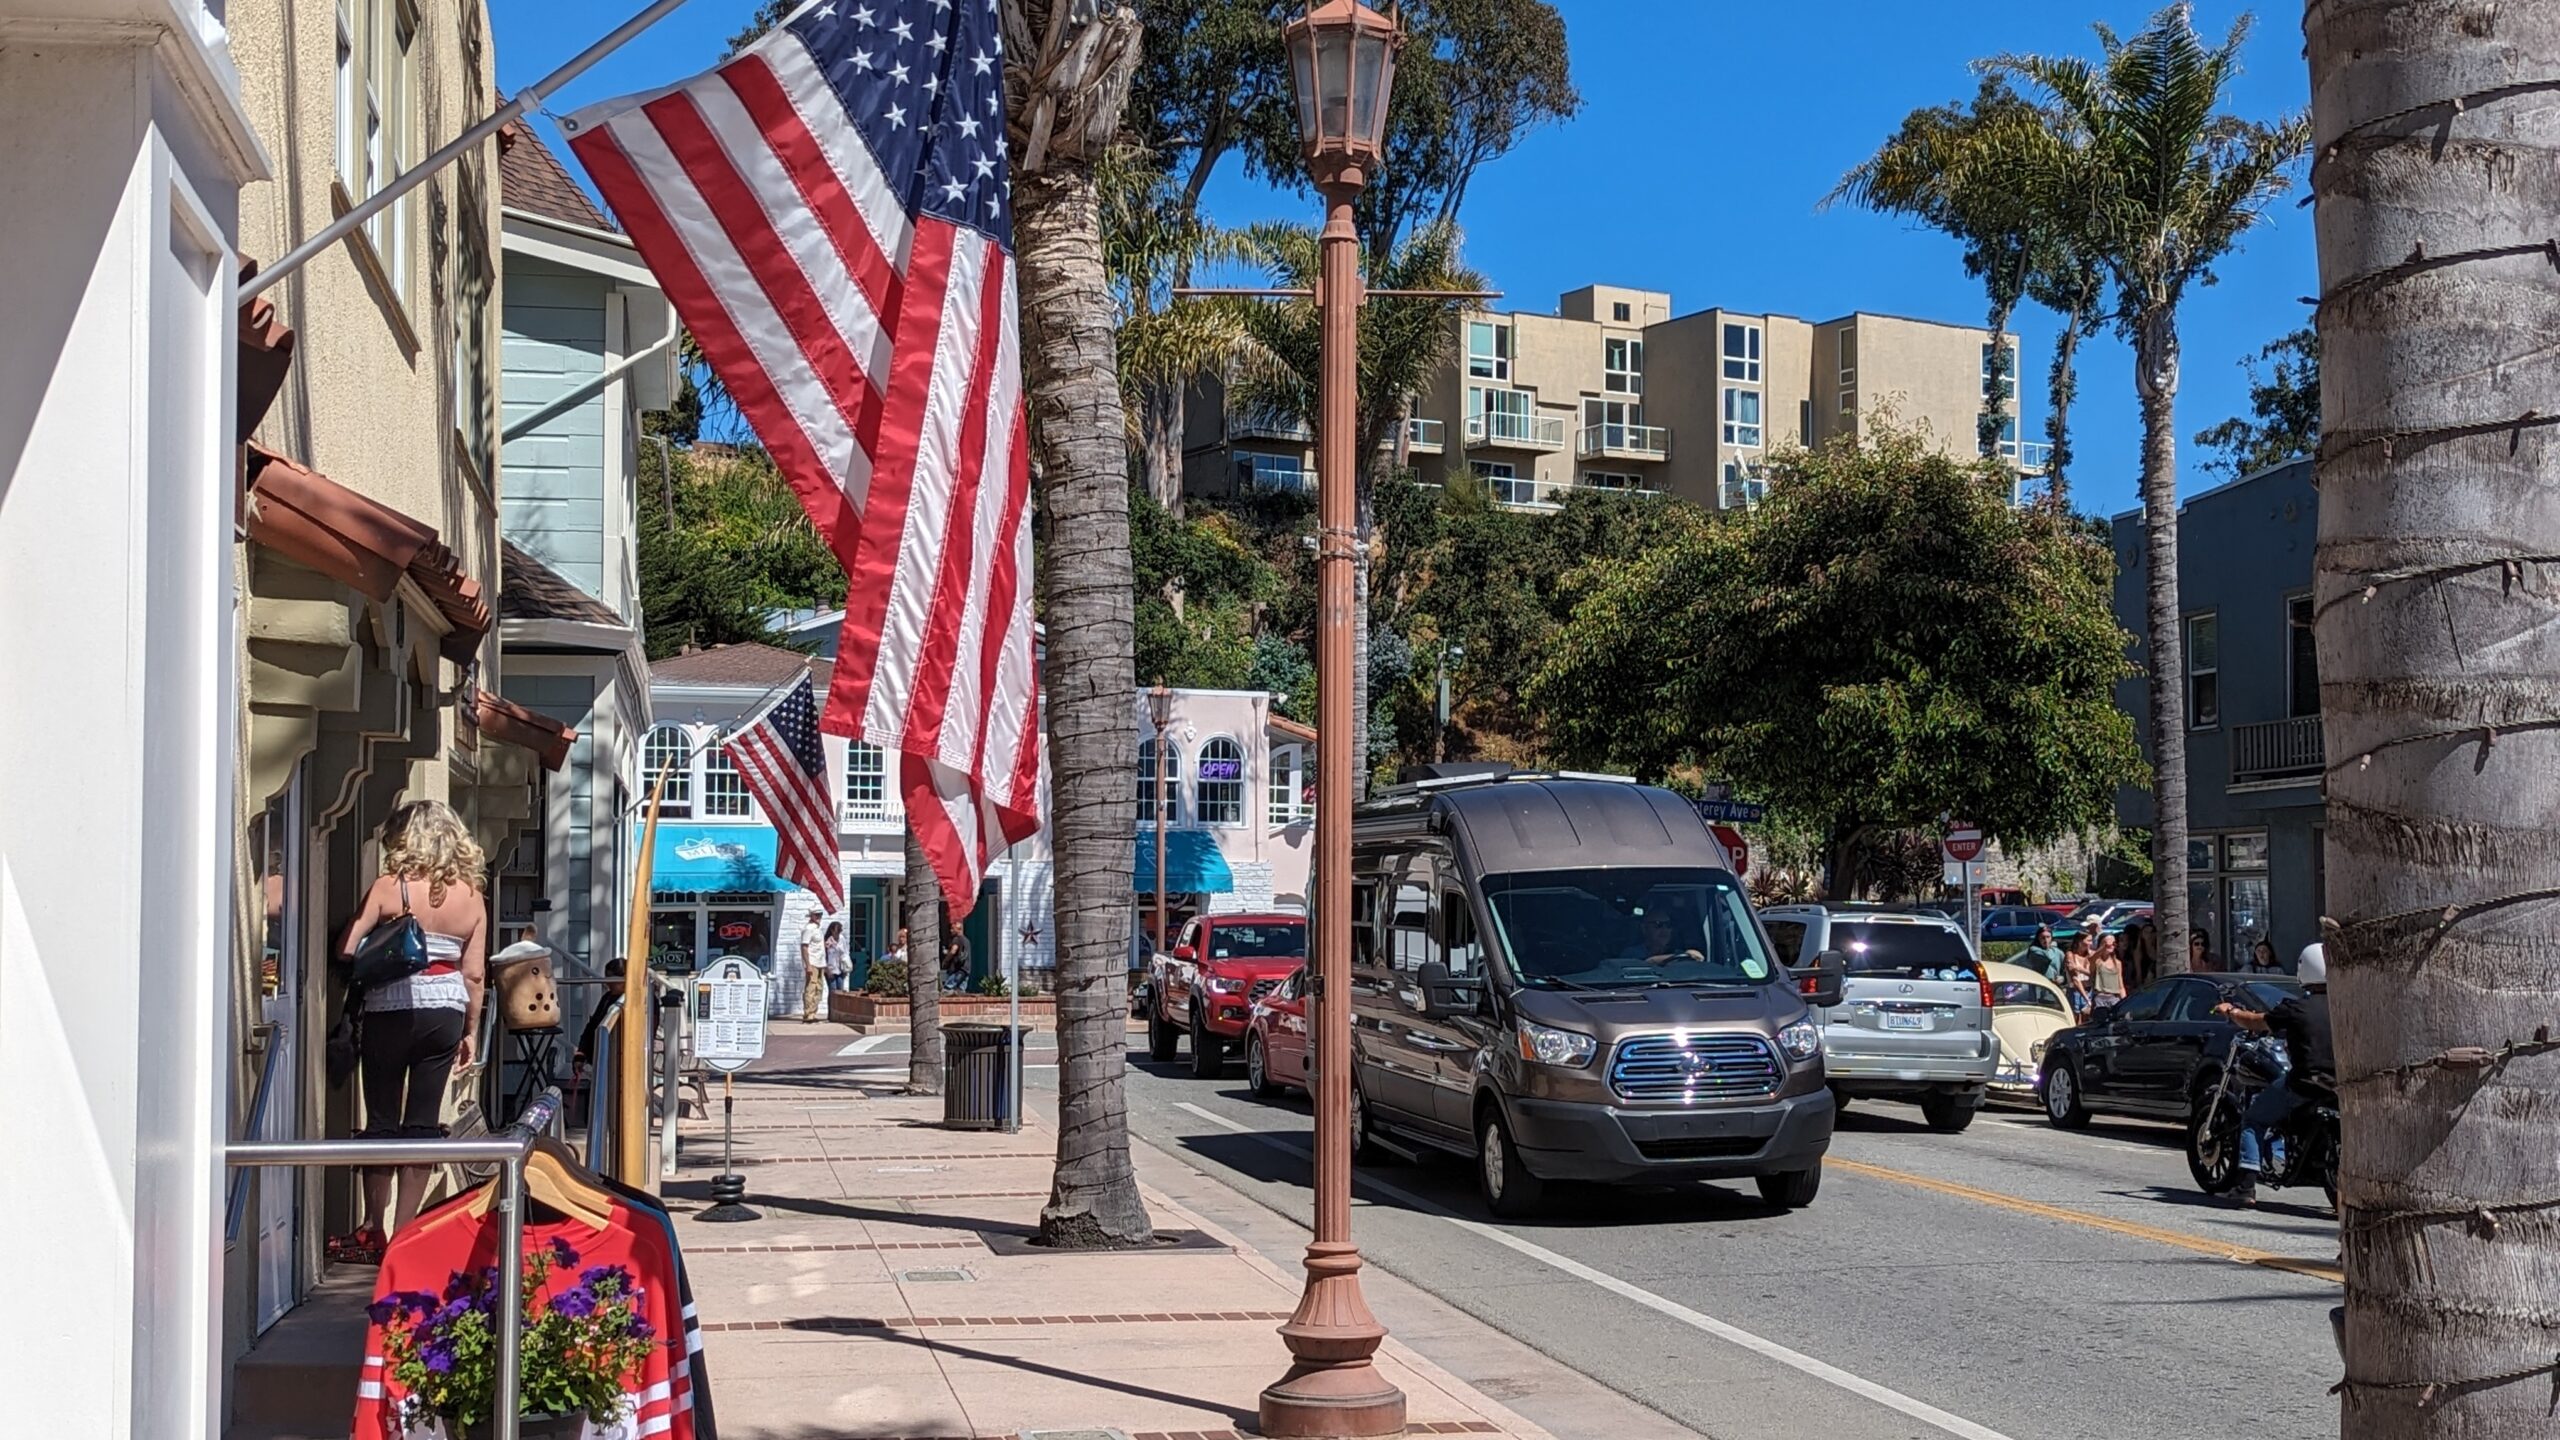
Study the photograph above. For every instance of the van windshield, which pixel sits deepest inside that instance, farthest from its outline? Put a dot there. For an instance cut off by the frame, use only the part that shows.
(1613, 929)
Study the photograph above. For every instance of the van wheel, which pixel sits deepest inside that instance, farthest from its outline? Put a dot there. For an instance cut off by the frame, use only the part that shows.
(1257, 1070)
(1208, 1052)
(1790, 1189)
(1510, 1191)
(1161, 1035)
(1949, 1114)
(1364, 1148)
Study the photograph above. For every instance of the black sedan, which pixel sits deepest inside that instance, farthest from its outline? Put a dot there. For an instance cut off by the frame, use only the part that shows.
(2157, 1055)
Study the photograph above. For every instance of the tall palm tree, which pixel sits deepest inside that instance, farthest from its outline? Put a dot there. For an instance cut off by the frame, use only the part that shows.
(921, 914)
(2136, 161)
(2438, 612)
(1067, 72)
(1405, 343)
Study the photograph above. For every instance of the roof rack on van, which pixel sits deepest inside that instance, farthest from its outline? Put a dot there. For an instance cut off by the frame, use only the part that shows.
(1415, 780)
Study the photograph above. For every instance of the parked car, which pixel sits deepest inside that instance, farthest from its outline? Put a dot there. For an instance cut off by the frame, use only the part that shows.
(2026, 1010)
(1562, 979)
(2101, 917)
(2155, 1056)
(2014, 922)
(1914, 1019)
(1206, 988)
(1277, 1043)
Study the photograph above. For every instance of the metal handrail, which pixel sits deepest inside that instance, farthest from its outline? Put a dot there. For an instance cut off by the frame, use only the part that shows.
(508, 1151)
(600, 1082)
(236, 1204)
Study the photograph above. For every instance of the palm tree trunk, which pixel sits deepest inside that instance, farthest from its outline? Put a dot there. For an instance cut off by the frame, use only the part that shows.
(1081, 451)
(920, 911)
(2438, 627)
(2155, 380)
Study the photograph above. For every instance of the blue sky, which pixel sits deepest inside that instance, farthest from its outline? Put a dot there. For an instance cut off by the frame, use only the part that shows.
(1709, 132)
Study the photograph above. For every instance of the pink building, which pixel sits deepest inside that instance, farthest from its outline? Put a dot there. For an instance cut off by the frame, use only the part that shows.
(1239, 803)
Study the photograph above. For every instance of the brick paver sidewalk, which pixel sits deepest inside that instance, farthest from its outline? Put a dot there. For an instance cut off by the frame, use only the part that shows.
(868, 1301)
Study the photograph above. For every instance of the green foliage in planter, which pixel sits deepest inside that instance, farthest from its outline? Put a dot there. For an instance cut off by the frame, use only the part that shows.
(888, 979)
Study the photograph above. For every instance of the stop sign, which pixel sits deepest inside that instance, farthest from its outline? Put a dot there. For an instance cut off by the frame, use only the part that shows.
(1963, 842)
(1734, 845)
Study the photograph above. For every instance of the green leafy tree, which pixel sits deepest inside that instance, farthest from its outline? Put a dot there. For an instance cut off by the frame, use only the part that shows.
(1200, 590)
(1884, 641)
(727, 545)
(2283, 422)
(2139, 163)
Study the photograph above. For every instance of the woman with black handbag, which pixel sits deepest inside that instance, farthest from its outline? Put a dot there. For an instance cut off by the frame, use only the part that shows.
(420, 948)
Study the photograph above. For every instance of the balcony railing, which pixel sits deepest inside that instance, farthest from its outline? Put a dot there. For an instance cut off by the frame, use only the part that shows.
(1267, 425)
(2277, 751)
(1518, 432)
(1625, 442)
(873, 810)
(1424, 437)
(1298, 478)
(1743, 494)
(1525, 494)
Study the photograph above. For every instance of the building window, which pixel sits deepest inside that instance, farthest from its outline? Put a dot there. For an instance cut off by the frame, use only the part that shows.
(1741, 417)
(1496, 414)
(866, 781)
(1494, 469)
(2007, 445)
(2005, 387)
(1622, 366)
(1273, 472)
(1620, 424)
(2302, 659)
(375, 100)
(1286, 782)
(1612, 480)
(1155, 763)
(473, 281)
(1220, 776)
(724, 790)
(1848, 362)
(1742, 352)
(1618, 310)
(1804, 422)
(350, 126)
(1744, 485)
(2204, 671)
(669, 746)
(1488, 350)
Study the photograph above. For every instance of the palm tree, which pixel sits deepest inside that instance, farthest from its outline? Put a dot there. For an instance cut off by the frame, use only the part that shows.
(921, 914)
(1405, 343)
(2436, 617)
(1067, 79)
(2136, 162)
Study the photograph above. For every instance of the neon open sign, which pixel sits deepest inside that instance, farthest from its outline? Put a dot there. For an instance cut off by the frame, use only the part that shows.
(1221, 769)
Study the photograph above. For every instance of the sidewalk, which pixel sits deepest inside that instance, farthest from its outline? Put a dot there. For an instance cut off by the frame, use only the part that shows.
(870, 1302)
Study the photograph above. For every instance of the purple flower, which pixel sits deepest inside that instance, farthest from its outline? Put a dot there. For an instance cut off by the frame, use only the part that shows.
(381, 1311)
(437, 1355)
(599, 1277)
(453, 1310)
(641, 1329)
(576, 1304)
(562, 1255)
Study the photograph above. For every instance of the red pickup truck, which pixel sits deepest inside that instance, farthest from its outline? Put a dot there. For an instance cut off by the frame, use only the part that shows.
(1219, 966)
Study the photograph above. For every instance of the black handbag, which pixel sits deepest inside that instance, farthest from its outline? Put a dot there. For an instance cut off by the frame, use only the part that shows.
(393, 950)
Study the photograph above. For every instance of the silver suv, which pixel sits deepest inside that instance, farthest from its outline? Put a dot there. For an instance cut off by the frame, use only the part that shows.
(1914, 1018)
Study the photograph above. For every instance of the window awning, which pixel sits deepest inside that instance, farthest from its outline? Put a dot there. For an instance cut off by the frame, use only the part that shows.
(692, 858)
(1193, 864)
(503, 719)
(360, 542)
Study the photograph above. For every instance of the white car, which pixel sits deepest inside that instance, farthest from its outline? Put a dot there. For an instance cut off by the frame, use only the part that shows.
(2026, 1010)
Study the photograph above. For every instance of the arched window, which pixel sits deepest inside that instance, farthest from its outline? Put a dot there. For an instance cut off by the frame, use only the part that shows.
(866, 782)
(1222, 781)
(666, 746)
(1149, 759)
(724, 790)
(1285, 762)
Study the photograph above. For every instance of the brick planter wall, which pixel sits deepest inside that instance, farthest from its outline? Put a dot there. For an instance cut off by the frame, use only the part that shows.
(866, 1011)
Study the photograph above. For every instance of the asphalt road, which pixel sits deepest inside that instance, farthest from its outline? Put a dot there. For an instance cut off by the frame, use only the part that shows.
(2011, 1283)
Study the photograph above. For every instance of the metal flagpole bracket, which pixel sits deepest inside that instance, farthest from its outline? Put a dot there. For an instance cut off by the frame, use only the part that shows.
(1193, 292)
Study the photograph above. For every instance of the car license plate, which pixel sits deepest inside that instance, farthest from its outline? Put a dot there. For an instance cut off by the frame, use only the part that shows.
(1893, 1021)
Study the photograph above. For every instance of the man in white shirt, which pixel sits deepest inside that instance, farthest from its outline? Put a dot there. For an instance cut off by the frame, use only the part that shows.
(813, 967)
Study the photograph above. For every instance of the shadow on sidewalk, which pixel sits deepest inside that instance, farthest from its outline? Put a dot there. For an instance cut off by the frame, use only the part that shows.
(836, 1209)
(836, 1325)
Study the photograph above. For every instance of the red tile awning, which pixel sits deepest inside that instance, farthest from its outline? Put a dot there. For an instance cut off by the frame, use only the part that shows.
(360, 542)
(503, 719)
(266, 356)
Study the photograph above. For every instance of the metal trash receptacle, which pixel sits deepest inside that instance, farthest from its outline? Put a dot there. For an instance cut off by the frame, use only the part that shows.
(977, 1064)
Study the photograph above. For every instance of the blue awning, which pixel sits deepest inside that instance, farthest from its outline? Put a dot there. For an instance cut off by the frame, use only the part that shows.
(1193, 865)
(714, 858)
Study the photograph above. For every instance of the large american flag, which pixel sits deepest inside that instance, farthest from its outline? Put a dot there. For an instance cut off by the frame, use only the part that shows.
(784, 763)
(831, 215)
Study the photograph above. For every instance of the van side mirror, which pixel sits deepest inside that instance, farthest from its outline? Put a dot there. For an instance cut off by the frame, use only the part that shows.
(1819, 983)
(1441, 995)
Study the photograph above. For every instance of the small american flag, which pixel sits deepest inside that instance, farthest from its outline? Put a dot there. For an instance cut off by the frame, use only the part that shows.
(784, 764)
(831, 214)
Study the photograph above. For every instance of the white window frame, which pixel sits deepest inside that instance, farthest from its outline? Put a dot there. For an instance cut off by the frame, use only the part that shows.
(866, 781)
(1497, 365)
(1738, 432)
(1614, 480)
(1742, 361)
(724, 789)
(1620, 310)
(664, 743)
(1234, 797)
(1626, 375)
(1846, 342)
(1283, 783)
(350, 73)
(1170, 754)
(1494, 469)
(2008, 378)
(2212, 620)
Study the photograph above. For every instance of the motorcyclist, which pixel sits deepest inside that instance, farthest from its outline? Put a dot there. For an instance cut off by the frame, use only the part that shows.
(2303, 1024)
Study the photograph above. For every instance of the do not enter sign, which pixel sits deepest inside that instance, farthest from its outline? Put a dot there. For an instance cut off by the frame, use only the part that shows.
(1963, 842)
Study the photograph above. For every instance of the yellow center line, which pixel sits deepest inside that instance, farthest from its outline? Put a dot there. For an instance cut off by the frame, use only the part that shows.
(2219, 1249)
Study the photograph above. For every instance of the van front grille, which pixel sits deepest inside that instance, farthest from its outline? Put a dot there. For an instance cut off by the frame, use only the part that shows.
(1696, 1067)
(1708, 1147)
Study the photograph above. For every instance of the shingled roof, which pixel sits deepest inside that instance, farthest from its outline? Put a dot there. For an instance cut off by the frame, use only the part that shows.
(531, 590)
(747, 665)
(532, 179)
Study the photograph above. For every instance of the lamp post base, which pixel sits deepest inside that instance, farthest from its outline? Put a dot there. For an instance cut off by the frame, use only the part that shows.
(1333, 1391)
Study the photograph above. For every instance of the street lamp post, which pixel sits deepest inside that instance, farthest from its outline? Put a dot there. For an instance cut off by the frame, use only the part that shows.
(1160, 710)
(1342, 59)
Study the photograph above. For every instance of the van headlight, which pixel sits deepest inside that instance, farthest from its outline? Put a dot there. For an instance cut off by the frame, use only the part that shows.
(1802, 1040)
(1550, 1046)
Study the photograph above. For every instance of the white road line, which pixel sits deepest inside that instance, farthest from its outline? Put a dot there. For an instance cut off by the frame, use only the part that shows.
(1829, 1374)
(864, 1045)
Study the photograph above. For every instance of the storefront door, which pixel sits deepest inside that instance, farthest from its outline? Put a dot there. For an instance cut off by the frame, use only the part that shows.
(748, 934)
(277, 840)
(675, 939)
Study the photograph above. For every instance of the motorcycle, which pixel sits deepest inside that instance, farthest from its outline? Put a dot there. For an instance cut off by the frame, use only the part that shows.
(2303, 1151)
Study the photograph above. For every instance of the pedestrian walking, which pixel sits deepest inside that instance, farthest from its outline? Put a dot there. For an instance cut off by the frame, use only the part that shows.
(2106, 975)
(955, 958)
(2043, 956)
(837, 963)
(2200, 959)
(418, 1028)
(813, 967)
(2262, 959)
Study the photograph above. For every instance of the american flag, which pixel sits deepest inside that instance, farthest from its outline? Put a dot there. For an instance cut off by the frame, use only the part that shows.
(784, 764)
(831, 215)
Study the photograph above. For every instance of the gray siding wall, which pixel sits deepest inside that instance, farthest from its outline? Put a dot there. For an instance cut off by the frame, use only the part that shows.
(555, 492)
(570, 699)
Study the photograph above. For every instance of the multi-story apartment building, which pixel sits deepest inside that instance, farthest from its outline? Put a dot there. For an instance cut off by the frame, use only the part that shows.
(1613, 391)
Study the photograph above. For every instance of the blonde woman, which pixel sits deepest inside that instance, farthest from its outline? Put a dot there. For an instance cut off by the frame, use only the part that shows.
(418, 1028)
(2106, 975)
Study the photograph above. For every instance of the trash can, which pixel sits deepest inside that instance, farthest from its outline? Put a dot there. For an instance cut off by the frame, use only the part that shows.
(977, 1076)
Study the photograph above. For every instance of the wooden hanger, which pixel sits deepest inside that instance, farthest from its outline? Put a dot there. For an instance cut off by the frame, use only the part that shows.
(554, 1177)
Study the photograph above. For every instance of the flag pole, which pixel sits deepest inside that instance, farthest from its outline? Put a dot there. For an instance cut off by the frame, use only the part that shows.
(526, 99)
(639, 1021)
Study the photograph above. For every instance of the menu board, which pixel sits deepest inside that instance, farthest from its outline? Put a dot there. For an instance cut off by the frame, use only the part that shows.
(728, 1014)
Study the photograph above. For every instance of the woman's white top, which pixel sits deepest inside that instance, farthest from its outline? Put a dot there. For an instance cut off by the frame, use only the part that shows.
(438, 987)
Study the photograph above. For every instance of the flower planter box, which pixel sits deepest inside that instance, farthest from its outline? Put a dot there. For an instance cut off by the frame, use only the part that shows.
(865, 1011)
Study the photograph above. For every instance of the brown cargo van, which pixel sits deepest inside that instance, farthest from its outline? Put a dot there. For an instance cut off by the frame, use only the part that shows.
(1560, 977)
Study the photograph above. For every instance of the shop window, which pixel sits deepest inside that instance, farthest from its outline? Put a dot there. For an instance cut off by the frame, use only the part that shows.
(667, 746)
(1221, 778)
(1155, 765)
(724, 790)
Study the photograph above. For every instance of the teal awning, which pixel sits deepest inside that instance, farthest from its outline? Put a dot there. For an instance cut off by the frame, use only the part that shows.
(714, 858)
(1192, 865)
